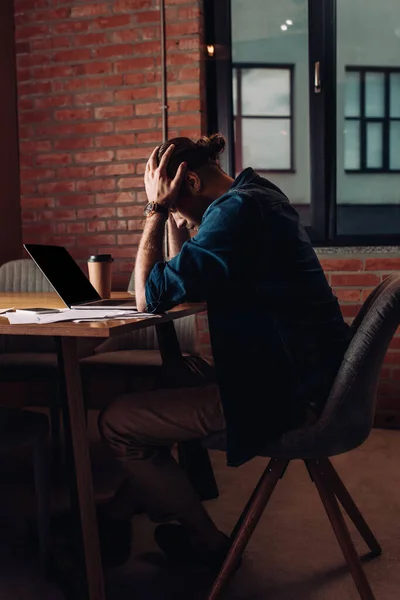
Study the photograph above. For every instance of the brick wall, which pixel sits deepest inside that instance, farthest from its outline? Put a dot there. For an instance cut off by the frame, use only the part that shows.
(90, 113)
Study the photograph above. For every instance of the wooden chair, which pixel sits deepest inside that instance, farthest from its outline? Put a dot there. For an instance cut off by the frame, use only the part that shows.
(345, 424)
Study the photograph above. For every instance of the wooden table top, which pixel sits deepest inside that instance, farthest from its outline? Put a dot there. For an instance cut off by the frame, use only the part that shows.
(101, 329)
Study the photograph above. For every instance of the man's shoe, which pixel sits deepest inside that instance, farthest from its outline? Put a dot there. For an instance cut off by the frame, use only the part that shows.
(174, 541)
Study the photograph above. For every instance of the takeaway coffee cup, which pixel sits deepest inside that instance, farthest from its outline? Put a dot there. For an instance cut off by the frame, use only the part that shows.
(100, 272)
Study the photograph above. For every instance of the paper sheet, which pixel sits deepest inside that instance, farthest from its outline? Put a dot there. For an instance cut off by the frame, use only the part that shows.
(71, 314)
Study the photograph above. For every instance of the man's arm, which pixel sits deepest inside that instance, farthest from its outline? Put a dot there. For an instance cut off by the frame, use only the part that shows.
(150, 252)
(176, 237)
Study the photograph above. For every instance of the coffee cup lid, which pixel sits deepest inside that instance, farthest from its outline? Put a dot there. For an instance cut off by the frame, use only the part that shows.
(100, 258)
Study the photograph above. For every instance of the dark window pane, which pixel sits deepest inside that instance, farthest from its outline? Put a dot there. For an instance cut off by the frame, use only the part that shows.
(374, 94)
(352, 94)
(395, 94)
(374, 146)
(266, 143)
(352, 159)
(394, 145)
(266, 92)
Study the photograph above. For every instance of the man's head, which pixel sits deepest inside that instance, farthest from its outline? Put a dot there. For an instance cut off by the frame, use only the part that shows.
(204, 179)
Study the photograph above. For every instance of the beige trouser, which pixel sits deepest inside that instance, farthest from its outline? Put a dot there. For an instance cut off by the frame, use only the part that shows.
(141, 429)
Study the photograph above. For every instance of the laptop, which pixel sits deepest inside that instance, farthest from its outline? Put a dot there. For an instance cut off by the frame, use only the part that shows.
(68, 279)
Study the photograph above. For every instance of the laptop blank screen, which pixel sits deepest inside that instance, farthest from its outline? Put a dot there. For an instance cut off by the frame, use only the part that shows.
(64, 274)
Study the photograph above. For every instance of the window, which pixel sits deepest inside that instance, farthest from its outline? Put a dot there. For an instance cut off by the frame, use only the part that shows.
(309, 91)
(372, 120)
(262, 109)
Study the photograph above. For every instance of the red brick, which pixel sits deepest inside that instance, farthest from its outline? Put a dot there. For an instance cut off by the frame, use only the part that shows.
(382, 264)
(72, 143)
(53, 159)
(130, 182)
(93, 226)
(39, 229)
(94, 98)
(117, 225)
(392, 358)
(90, 10)
(27, 188)
(125, 252)
(90, 128)
(71, 26)
(147, 137)
(95, 185)
(93, 68)
(76, 228)
(142, 62)
(35, 146)
(148, 108)
(96, 240)
(180, 29)
(187, 58)
(137, 78)
(129, 5)
(77, 114)
(75, 172)
(91, 39)
(57, 187)
(150, 33)
(52, 72)
(345, 295)
(96, 213)
(26, 161)
(353, 279)
(53, 101)
(75, 200)
(135, 124)
(183, 120)
(337, 264)
(115, 50)
(36, 87)
(111, 22)
(350, 310)
(143, 93)
(37, 173)
(189, 73)
(136, 224)
(28, 215)
(26, 5)
(74, 55)
(107, 112)
(147, 17)
(59, 41)
(128, 238)
(116, 169)
(44, 15)
(108, 141)
(114, 198)
(125, 35)
(152, 47)
(25, 104)
(31, 31)
(189, 12)
(395, 343)
(32, 60)
(37, 202)
(34, 116)
(94, 156)
(183, 89)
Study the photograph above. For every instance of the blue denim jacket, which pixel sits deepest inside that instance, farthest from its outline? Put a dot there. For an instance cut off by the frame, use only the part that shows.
(277, 332)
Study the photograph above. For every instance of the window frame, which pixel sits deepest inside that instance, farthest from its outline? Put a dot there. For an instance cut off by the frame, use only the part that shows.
(271, 66)
(386, 119)
(323, 118)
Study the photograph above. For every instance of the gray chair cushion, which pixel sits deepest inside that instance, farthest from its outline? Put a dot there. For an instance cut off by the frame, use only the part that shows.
(22, 275)
(348, 415)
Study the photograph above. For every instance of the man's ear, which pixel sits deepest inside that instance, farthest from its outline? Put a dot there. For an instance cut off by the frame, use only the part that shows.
(193, 182)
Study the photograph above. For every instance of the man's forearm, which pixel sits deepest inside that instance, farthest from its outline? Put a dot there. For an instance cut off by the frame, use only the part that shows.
(150, 252)
(176, 237)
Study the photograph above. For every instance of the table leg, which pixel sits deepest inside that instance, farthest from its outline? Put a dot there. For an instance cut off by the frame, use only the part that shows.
(77, 437)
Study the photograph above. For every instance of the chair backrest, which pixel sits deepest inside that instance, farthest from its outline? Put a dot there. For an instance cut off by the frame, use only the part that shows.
(22, 275)
(350, 408)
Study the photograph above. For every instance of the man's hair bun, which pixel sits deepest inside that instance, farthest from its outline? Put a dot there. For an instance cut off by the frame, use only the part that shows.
(214, 145)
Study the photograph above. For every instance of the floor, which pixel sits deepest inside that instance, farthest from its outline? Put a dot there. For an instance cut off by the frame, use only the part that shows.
(292, 555)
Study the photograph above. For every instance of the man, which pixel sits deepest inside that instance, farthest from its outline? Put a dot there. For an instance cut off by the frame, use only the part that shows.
(276, 329)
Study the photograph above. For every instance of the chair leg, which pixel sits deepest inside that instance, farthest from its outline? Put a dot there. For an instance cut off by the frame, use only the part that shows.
(42, 492)
(342, 494)
(248, 522)
(339, 527)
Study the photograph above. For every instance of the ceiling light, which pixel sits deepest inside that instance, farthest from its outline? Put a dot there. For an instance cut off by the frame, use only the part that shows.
(283, 27)
(210, 50)
(289, 22)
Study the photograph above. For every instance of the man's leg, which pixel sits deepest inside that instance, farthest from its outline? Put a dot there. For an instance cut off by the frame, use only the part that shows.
(141, 429)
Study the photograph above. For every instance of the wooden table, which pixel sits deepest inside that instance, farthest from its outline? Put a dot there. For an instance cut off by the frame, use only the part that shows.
(67, 334)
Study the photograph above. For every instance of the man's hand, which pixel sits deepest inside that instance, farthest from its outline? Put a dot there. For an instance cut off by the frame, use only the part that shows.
(159, 188)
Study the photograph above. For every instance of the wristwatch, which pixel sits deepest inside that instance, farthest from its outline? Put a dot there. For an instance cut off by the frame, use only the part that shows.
(153, 207)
